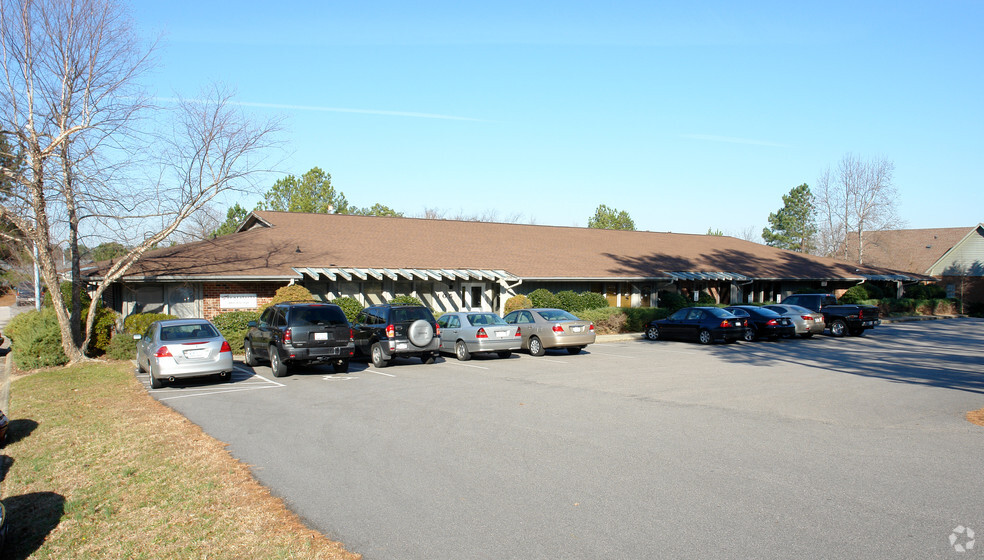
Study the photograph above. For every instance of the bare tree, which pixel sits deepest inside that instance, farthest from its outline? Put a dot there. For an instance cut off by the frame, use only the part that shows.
(856, 198)
(72, 106)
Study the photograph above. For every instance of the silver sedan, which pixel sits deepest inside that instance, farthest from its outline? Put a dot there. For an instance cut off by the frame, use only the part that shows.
(179, 348)
(467, 333)
(552, 328)
(807, 322)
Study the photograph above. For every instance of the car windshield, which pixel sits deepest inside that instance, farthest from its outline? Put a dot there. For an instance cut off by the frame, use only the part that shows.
(480, 319)
(194, 331)
(556, 315)
(318, 315)
(410, 314)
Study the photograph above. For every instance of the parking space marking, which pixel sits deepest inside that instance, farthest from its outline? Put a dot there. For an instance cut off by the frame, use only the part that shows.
(244, 379)
(593, 352)
(469, 365)
(379, 372)
(552, 361)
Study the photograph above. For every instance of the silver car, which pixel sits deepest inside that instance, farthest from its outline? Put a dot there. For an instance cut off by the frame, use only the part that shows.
(179, 348)
(466, 333)
(551, 328)
(806, 321)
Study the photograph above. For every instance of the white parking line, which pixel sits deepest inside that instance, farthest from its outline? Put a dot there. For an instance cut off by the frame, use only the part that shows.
(608, 354)
(469, 365)
(379, 372)
(551, 361)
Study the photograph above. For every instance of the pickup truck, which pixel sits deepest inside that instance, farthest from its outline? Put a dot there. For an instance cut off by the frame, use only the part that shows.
(840, 319)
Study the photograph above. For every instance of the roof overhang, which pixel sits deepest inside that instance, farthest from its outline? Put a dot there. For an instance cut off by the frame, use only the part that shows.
(726, 276)
(427, 274)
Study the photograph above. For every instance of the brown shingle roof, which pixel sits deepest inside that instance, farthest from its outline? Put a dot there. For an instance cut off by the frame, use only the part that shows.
(910, 250)
(282, 241)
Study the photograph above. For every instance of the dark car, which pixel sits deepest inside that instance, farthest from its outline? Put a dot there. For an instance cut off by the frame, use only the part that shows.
(385, 331)
(763, 323)
(299, 333)
(703, 324)
(25, 294)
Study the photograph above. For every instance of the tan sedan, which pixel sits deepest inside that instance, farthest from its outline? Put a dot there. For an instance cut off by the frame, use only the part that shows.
(551, 328)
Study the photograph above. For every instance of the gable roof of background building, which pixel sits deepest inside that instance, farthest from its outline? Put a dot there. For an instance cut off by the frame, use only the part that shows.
(965, 258)
(273, 245)
(910, 250)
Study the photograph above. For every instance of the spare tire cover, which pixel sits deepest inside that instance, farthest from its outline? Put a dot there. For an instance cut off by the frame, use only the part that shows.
(420, 333)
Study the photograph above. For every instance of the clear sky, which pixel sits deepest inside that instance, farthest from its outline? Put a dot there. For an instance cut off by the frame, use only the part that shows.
(687, 115)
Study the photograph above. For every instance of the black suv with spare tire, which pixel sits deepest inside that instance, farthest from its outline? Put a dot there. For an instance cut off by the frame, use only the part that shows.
(297, 333)
(385, 331)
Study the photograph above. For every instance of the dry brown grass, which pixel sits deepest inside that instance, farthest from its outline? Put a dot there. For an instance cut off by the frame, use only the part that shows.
(976, 417)
(102, 470)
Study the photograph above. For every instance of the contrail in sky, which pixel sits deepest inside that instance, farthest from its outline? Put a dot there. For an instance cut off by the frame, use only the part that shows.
(732, 140)
(332, 109)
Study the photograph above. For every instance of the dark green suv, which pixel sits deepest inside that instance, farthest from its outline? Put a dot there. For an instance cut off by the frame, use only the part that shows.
(295, 333)
(385, 331)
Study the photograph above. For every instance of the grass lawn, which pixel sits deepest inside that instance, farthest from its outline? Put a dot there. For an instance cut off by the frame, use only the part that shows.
(96, 468)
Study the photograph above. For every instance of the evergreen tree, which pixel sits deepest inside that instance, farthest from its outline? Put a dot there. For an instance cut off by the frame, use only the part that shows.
(793, 226)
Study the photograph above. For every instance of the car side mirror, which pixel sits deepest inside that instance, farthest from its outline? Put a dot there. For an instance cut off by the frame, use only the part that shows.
(137, 337)
(251, 324)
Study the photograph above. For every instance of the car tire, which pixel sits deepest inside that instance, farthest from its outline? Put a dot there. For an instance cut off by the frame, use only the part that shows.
(838, 328)
(749, 335)
(652, 332)
(575, 350)
(428, 358)
(704, 336)
(250, 355)
(461, 351)
(277, 364)
(155, 383)
(504, 354)
(536, 347)
(340, 366)
(420, 333)
(376, 355)
(140, 368)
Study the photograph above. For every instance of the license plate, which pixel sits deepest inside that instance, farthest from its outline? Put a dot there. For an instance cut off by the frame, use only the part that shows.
(321, 336)
(577, 329)
(199, 353)
(501, 334)
(401, 345)
(868, 324)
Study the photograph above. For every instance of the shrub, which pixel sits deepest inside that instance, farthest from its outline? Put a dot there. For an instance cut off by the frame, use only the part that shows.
(854, 295)
(234, 325)
(294, 292)
(569, 301)
(138, 322)
(592, 300)
(408, 300)
(102, 330)
(35, 338)
(542, 297)
(672, 301)
(925, 291)
(66, 292)
(608, 320)
(705, 299)
(518, 302)
(638, 317)
(873, 291)
(350, 306)
(122, 347)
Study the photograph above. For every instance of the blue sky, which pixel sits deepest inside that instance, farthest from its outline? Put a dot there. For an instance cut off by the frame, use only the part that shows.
(687, 115)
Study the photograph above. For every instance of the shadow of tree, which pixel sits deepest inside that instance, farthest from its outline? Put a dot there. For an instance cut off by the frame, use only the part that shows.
(905, 355)
(30, 519)
(19, 429)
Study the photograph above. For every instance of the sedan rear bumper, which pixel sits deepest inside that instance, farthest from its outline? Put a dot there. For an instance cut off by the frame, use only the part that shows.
(164, 368)
(493, 345)
(566, 340)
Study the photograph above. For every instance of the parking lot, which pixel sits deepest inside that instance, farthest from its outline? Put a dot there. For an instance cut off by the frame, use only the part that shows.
(853, 447)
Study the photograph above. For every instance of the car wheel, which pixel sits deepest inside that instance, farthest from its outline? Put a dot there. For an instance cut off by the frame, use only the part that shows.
(250, 356)
(504, 354)
(378, 358)
(140, 368)
(575, 349)
(276, 363)
(749, 334)
(838, 327)
(428, 358)
(652, 332)
(420, 333)
(704, 336)
(536, 347)
(340, 366)
(461, 351)
(155, 383)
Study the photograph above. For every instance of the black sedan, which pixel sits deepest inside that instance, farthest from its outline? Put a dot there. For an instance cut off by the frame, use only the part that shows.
(703, 324)
(763, 323)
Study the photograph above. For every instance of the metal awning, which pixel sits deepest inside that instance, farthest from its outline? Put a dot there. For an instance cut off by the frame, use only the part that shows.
(727, 276)
(891, 277)
(440, 275)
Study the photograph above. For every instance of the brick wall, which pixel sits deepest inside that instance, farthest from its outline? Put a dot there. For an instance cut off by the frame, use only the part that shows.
(210, 305)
